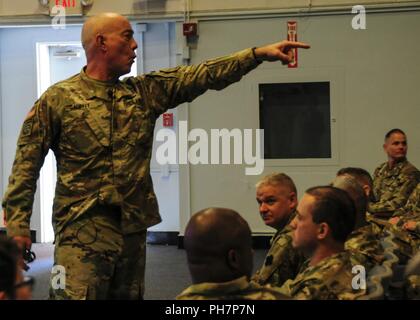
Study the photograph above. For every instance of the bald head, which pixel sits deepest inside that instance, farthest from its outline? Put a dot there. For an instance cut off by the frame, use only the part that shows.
(213, 230)
(100, 24)
(219, 245)
(108, 40)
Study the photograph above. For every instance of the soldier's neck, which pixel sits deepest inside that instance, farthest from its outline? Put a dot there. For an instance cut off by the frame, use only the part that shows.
(393, 162)
(324, 251)
(98, 72)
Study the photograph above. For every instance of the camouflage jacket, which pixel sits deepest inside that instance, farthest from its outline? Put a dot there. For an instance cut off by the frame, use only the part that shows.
(101, 134)
(392, 187)
(412, 207)
(330, 279)
(282, 261)
(413, 287)
(238, 289)
(365, 247)
(411, 212)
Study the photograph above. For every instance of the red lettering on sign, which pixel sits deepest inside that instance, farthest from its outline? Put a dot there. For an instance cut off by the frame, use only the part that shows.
(66, 3)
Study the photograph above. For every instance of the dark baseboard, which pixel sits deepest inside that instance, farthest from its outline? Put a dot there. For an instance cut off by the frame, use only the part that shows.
(33, 234)
(162, 237)
(258, 241)
(261, 241)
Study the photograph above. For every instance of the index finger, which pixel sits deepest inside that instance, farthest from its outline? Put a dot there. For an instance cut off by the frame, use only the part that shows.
(297, 44)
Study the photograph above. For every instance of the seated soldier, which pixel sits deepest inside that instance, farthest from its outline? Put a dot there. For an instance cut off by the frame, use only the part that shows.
(395, 179)
(12, 283)
(366, 182)
(363, 242)
(277, 200)
(219, 251)
(325, 218)
(379, 225)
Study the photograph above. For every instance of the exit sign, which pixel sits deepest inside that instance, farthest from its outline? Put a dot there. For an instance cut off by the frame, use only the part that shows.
(67, 7)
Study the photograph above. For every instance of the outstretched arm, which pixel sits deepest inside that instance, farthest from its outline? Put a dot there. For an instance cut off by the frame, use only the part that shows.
(171, 87)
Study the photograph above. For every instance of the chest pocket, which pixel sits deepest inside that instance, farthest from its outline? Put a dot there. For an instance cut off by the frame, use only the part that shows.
(82, 130)
(143, 125)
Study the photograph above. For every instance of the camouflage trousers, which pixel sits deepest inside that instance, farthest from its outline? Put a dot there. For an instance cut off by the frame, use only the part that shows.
(413, 287)
(97, 260)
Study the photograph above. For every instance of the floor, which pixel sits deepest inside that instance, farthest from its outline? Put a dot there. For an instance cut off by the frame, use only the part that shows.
(166, 270)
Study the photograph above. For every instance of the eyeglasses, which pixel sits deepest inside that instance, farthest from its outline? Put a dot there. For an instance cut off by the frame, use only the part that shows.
(28, 257)
(27, 281)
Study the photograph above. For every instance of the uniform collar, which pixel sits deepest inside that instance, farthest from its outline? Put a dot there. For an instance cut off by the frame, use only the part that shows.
(287, 228)
(396, 169)
(96, 88)
(105, 90)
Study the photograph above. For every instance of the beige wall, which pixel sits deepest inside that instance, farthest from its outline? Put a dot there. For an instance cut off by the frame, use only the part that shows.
(152, 8)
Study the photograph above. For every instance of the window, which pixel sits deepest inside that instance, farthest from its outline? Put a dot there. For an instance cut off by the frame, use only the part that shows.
(296, 119)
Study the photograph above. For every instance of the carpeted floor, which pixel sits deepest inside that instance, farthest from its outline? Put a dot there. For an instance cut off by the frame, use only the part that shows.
(166, 270)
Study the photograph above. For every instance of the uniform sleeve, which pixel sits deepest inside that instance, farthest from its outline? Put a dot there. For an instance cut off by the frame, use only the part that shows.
(32, 146)
(283, 262)
(411, 205)
(170, 87)
(392, 201)
(302, 289)
(375, 185)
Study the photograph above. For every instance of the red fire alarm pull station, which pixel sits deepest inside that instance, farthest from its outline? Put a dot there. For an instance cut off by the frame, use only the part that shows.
(292, 36)
(189, 29)
(168, 119)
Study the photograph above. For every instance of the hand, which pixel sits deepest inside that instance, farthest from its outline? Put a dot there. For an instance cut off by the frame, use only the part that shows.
(279, 51)
(410, 225)
(4, 218)
(23, 242)
(394, 220)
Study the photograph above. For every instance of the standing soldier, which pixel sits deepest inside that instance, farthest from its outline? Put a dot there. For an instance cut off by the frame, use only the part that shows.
(101, 132)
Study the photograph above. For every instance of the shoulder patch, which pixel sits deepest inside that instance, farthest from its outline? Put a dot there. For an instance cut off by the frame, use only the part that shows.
(27, 128)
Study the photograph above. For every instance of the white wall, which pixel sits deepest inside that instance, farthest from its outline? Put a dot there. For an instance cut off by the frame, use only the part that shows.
(374, 75)
(18, 87)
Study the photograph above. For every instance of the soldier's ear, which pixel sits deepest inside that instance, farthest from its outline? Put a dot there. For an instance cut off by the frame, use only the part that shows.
(233, 260)
(293, 200)
(100, 42)
(323, 231)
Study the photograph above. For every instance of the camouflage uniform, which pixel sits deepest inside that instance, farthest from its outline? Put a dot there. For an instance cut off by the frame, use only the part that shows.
(365, 247)
(412, 208)
(410, 212)
(282, 261)
(392, 187)
(330, 279)
(413, 287)
(101, 134)
(238, 289)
